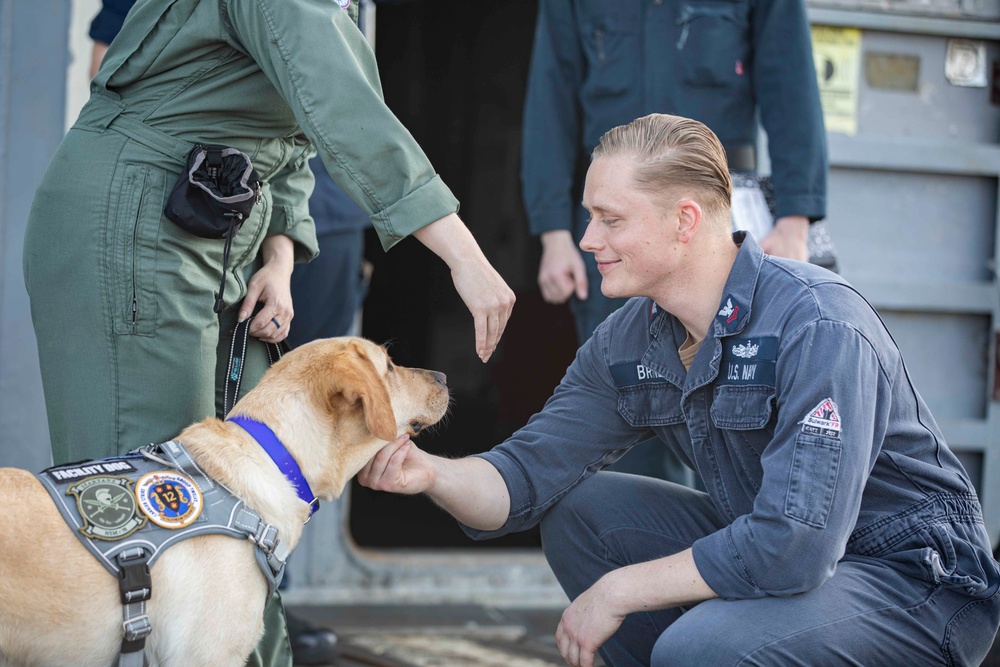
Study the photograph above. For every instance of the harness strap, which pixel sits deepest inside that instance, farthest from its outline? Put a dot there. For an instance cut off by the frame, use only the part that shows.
(271, 553)
(135, 587)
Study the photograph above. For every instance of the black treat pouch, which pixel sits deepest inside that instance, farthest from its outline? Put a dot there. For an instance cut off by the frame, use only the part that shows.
(213, 196)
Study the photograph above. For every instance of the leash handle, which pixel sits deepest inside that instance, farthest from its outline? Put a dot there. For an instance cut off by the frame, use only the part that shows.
(237, 356)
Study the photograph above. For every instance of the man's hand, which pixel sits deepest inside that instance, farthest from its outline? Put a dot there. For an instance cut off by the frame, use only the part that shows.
(399, 467)
(789, 238)
(561, 271)
(600, 610)
(588, 623)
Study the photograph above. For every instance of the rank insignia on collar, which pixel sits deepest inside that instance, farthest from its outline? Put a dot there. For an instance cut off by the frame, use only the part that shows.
(169, 499)
(731, 313)
(107, 507)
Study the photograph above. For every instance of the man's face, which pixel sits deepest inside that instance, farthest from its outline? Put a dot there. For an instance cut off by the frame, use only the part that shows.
(631, 234)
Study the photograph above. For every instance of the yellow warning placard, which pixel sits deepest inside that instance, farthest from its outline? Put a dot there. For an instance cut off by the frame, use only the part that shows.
(837, 55)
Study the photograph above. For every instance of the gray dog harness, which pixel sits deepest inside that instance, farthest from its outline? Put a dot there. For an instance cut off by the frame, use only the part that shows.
(127, 510)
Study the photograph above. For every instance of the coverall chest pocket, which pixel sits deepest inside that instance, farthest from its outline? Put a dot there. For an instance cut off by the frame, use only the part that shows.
(742, 407)
(610, 36)
(134, 246)
(650, 404)
(713, 45)
(745, 416)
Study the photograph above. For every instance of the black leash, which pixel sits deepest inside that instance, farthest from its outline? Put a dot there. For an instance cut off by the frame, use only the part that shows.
(237, 356)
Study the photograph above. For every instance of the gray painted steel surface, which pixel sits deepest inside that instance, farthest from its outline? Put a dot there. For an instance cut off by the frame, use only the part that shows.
(914, 213)
(34, 54)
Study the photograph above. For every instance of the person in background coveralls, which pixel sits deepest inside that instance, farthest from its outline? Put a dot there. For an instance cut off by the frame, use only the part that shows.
(837, 527)
(122, 299)
(596, 65)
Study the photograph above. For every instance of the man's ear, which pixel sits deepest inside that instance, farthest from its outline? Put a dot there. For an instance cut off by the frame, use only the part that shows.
(689, 218)
(362, 382)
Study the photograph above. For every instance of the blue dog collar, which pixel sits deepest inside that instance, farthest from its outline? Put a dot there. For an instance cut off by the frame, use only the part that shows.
(266, 438)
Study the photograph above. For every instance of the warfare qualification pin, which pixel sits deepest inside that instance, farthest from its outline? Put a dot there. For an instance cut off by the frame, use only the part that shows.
(169, 499)
(107, 507)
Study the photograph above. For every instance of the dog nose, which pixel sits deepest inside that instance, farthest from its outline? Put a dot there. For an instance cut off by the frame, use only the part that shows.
(441, 378)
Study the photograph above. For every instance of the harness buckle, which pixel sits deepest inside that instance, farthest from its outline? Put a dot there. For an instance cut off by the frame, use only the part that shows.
(134, 582)
(137, 628)
(266, 536)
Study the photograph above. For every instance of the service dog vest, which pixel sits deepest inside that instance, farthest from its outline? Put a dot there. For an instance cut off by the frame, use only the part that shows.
(151, 499)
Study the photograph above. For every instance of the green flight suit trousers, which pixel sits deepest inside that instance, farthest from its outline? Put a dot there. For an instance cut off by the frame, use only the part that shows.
(130, 349)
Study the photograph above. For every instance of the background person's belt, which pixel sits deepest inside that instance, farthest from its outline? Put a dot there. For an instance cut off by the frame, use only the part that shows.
(741, 157)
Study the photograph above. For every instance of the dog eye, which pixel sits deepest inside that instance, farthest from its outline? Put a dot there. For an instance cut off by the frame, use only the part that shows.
(389, 367)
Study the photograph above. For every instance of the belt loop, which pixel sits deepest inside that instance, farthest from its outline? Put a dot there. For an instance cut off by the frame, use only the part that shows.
(103, 113)
(100, 112)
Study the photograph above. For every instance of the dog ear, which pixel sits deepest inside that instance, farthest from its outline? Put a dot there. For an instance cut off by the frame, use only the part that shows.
(364, 383)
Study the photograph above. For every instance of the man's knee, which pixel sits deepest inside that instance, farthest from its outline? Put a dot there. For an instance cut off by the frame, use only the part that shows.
(564, 524)
(709, 634)
(683, 645)
(572, 530)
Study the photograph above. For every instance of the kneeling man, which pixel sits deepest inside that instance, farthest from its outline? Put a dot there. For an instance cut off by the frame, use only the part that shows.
(837, 527)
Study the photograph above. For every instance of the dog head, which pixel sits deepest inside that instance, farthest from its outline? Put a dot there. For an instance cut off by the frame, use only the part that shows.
(335, 402)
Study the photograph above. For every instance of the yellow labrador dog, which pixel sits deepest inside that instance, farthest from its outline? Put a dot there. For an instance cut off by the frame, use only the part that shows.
(333, 404)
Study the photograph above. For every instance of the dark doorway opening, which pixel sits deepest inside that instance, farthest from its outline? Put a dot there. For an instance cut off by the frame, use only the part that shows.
(454, 72)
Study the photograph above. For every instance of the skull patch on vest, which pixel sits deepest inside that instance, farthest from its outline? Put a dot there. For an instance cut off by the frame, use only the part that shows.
(107, 507)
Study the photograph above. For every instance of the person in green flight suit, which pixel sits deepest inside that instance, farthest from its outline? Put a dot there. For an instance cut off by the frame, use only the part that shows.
(129, 345)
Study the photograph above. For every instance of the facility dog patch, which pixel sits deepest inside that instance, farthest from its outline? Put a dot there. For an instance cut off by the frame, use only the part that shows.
(169, 499)
(823, 420)
(107, 506)
(71, 472)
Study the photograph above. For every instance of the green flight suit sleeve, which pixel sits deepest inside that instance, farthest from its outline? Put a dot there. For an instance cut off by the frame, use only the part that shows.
(290, 190)
(312, 52)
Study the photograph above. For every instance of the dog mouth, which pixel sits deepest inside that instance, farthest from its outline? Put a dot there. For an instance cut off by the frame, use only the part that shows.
(416, 427)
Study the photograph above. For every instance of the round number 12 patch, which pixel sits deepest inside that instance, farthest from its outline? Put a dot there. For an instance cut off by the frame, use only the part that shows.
(169, 499)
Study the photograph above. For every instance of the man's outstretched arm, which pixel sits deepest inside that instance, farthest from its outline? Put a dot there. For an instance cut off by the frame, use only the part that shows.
(470, 489)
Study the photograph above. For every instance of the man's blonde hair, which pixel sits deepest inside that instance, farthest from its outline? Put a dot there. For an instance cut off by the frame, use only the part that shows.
(672, 155)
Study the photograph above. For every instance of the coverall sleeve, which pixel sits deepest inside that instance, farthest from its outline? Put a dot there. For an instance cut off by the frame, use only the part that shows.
(290, 191)
(312, 52)
(815, 469)
(784, 83)
(552, 119)
(564, 444)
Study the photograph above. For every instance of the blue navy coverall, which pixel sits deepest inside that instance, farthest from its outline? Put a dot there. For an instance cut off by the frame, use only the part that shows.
(597, 64)
(837, 527)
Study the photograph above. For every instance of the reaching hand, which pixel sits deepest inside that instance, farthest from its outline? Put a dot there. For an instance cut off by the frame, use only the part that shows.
(399, 467)
(484, 292)
(789, 238)
(561, 271)
(488, 298)
(587, 623)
